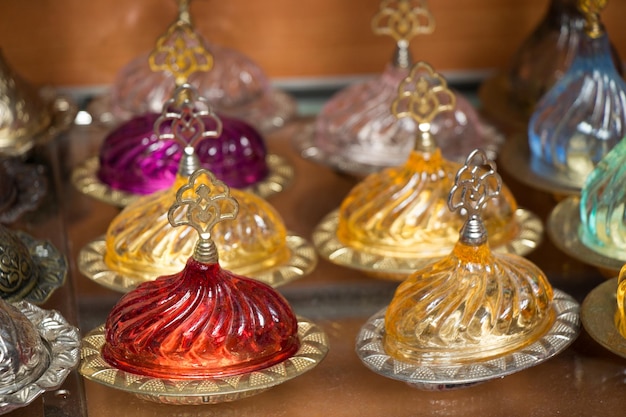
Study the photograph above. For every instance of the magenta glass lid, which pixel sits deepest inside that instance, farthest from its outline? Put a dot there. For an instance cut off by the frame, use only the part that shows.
(135, 160)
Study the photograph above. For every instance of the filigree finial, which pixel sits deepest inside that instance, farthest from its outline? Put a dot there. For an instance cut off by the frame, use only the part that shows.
(202, 203)
(403, 20)
(422, 96)
(184, 119)
(475, 184)
(591, 11)
(180, 51)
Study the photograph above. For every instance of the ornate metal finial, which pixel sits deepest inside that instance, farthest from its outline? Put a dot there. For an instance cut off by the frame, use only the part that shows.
(591, 11)
(184, 119)
(202, 203)
(180, 50)
(403, 20)
(422, 96)
(475, 184)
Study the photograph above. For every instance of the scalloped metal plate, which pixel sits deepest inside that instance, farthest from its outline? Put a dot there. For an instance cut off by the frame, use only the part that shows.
(63, 342)
(369, 348)
(598, 317)
(562, 226)
(301, 262)
(330, 247)
(85, 179)
(307, 148)
(313, 348)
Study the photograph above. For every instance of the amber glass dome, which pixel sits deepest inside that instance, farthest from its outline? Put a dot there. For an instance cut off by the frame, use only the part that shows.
(141, 243)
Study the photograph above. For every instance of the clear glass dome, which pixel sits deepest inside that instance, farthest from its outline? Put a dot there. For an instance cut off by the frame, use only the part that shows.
(235, 86)
(472, 305)
(402, 212)
(141, 243)
(24, 356)
(583, 116)
(603, 206)
(134, 159)
(357, 124)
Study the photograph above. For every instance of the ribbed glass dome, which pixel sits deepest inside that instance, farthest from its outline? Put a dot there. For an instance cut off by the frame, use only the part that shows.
(472, 305)
(201, 322)
(141, 243)
(357, 123)
(603, 206)
(584, 115)
(135, 160)
(402, 212)
(23, 355)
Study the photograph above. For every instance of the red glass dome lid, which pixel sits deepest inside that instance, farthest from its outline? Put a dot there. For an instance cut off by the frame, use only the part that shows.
(356, 131)
(203, 323)
(144, 154)
(232, 82)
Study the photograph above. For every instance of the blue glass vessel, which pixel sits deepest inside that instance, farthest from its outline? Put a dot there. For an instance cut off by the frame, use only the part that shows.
(584, 115)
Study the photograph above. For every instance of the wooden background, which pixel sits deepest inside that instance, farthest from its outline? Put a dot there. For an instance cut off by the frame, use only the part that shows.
(85, 42)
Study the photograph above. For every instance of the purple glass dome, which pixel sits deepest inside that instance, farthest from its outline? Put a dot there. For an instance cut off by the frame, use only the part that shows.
(134, 160)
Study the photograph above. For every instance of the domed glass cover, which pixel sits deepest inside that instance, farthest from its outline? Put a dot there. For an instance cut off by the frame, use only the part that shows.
(473, 304)
(584, 115)
(357, 124)
(232, 82)
(602, 206)
(134, 158)
(401, 212)
(203, 321)
(142, 244)
(23, 356)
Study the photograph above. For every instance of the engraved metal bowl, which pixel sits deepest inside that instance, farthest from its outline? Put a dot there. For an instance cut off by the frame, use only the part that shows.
(62, 342)
(313, 348)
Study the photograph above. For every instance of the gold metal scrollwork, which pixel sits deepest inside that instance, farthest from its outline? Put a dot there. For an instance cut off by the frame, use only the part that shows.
(403, 19)
(180, 50)
(591, 10)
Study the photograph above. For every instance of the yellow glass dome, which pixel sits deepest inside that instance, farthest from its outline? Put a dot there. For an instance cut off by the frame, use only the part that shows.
(141, 244)
(472, 305)
(402, 212)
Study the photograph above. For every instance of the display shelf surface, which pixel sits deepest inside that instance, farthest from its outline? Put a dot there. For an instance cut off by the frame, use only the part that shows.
(584, 380)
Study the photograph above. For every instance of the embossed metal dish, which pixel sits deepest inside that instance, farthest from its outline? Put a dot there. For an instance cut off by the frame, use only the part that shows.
(30, 186)
(516, 160)
(301, 262)
(62, 341)
(51, 264)
(563, 225)
(85, 179)
(330, 247)
(435, 377)
(307, 148)
(598, 317)
(313, 348)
